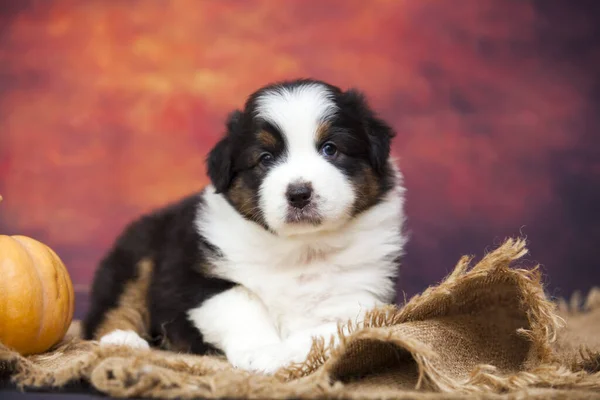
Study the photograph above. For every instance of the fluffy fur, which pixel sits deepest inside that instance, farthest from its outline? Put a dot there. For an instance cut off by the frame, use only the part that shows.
(300, 229)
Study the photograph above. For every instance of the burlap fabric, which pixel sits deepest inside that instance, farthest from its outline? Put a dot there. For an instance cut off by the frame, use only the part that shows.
(485, 332)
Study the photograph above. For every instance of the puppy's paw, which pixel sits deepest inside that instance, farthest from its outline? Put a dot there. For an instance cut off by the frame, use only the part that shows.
(124, 338)
(256, 360)
(268, 359)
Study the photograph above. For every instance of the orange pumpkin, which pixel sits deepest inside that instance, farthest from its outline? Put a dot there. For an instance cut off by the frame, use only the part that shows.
(36, 295)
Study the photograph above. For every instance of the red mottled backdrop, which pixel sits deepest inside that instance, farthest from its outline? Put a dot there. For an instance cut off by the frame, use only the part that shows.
(107, 109)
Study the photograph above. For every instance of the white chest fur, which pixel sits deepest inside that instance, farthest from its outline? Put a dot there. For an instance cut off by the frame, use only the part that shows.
(304, 282)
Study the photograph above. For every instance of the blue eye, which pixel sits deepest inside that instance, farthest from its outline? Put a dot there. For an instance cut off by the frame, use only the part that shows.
(266, 158)
(329, 150)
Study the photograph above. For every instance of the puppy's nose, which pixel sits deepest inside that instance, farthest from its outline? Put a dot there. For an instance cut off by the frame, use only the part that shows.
(299, 194)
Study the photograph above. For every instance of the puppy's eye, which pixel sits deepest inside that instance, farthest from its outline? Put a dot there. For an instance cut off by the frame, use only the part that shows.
(265, 158)
(329, 150)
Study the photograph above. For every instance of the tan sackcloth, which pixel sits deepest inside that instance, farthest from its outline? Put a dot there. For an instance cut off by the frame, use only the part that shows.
(484, 332)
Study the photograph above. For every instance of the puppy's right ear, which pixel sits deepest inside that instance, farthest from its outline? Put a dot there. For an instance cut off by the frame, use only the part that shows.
(219, 161)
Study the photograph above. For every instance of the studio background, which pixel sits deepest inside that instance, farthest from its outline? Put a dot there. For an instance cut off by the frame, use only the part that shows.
(108, 108)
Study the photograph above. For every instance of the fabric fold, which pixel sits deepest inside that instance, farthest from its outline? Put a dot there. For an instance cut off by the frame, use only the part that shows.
(486, 331)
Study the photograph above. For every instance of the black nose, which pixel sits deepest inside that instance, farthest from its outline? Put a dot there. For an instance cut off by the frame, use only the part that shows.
(299, 194)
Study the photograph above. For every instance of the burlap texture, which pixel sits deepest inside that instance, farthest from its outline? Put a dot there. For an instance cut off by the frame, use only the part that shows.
(485, 332)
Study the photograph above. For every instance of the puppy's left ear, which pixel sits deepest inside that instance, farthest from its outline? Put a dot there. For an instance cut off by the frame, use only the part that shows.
(219, 161)
(379, 133)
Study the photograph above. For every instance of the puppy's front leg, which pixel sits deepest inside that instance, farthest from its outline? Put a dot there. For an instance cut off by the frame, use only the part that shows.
(237, 322)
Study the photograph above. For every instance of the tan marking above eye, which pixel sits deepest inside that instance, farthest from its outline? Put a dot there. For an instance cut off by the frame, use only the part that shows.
(267, 139)
(322, 131)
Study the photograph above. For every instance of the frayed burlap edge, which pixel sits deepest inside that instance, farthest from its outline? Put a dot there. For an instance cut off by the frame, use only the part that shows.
(577, 304)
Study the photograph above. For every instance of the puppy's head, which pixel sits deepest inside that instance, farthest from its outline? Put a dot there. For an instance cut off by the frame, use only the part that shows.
(302, 157)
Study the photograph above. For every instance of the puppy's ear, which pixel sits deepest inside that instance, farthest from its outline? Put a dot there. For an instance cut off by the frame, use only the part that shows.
(379, 133)
(219, 161)
(380, 138)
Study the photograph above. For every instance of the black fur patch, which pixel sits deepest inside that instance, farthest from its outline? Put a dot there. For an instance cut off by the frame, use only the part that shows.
(179, 282)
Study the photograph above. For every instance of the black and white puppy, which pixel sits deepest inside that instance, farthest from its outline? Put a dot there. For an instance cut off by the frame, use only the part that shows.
(300, 229)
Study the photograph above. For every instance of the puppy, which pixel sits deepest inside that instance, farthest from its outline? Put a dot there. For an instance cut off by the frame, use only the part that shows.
(300, 229)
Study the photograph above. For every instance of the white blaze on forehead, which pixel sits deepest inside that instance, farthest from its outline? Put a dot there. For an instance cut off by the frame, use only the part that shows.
(297, 111)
